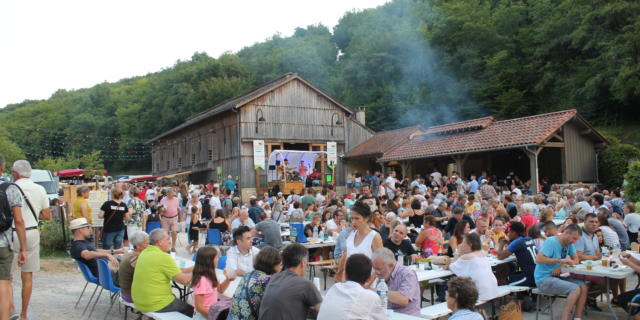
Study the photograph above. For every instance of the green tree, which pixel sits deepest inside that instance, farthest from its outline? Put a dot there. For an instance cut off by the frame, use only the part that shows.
(632, 189)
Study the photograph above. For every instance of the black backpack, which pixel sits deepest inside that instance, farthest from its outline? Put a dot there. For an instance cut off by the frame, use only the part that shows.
(206, 209)
(6, 216)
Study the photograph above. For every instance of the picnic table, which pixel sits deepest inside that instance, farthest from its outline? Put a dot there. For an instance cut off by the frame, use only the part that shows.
(598, 270)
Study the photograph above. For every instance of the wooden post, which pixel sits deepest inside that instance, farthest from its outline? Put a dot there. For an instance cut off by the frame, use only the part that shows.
(257, 179)
(533, 167)
(460, 160)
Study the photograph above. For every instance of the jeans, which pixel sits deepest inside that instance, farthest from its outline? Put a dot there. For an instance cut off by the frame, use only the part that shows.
(112, 238)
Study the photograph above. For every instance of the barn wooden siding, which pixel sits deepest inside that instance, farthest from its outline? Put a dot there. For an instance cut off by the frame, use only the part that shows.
(188, 149)
(580, 155)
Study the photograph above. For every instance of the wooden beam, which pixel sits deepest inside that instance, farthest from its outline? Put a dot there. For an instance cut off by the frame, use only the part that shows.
(557, 136)
(553, 145)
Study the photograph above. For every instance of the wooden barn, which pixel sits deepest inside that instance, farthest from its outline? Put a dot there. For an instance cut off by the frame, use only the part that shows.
(560, 146)
(287, 113)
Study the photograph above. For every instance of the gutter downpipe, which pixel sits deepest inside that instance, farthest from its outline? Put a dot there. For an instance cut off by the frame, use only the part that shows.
(239, 148)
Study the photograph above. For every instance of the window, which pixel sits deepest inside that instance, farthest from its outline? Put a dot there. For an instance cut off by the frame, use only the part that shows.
(179, 162)
(210, 155)
(193, 158)
(168, 164)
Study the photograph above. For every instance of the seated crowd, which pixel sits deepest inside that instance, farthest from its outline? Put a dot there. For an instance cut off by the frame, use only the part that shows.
(378, 231)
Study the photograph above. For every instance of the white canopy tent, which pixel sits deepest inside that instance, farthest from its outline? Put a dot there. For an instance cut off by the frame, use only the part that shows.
(293, 157)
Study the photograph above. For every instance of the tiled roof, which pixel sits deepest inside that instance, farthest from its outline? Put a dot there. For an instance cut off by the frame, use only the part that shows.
(518, 132)
(382, 142)
(473, 124)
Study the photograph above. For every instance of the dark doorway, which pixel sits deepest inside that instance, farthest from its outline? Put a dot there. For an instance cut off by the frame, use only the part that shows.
(296, 146)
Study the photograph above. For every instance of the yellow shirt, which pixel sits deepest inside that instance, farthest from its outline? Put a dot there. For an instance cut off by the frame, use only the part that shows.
(151, 287)
(77, 211)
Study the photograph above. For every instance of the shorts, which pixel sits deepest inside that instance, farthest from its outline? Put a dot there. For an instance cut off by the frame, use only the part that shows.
(32, 252)
(170, 224)
(559, 286)
(6, 258)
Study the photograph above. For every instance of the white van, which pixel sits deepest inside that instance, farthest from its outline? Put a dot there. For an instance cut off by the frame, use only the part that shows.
(47, 180)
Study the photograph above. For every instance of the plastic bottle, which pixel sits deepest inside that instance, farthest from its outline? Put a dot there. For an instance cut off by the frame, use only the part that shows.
(400, 258)
(315, 232)
(322, 234)
(383, 292)
(293, 236)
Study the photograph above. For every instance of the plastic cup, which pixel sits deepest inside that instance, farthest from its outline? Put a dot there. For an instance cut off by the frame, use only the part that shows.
(173, 255)
(605, 262)
(423, 266)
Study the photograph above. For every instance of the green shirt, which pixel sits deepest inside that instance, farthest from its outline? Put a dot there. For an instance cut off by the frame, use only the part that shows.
(307, 200)
(151, 288)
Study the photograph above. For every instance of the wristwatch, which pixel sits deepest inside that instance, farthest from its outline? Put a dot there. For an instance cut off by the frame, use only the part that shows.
(111, 251)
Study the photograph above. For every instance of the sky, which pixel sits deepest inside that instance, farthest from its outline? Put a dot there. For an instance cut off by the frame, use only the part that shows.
(50, 45)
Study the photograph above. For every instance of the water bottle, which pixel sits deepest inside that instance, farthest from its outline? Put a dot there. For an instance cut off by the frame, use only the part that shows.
(315, 232)
(383, 292)
(400, 258)
(293, 235)
(323, 236)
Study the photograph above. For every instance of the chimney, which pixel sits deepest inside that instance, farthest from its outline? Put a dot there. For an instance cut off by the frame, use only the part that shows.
(360, 115)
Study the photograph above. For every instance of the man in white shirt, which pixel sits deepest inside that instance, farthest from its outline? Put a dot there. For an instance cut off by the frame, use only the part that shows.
(334, 226)
(437, 177)
(36, 200)
(151, 194)
(241, 256)
(349, 299)
(390, 185)
(214, 202)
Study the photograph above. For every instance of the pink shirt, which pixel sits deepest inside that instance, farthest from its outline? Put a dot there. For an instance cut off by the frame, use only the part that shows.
(171, 205)
(209, 293)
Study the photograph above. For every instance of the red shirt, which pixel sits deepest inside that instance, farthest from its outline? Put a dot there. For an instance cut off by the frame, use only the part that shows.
(528, 221)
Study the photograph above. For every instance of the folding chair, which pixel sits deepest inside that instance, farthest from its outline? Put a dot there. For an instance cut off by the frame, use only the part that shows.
(214, 237)
(89, 278)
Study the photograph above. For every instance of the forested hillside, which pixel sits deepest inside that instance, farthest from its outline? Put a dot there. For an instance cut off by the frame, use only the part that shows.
(409, 62)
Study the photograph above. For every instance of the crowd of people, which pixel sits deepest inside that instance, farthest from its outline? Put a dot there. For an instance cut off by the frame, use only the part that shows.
(379, 227)
(457, 228)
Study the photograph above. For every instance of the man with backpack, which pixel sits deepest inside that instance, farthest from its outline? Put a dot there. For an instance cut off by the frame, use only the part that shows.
(10, 212)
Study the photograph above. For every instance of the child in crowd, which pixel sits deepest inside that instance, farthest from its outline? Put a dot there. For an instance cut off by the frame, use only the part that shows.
(194, 232)
(205, 283)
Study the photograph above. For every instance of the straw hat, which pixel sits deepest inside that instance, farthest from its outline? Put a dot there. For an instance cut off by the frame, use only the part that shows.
(78, 223)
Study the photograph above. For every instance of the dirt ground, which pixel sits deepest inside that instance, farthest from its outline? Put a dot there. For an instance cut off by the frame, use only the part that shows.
(58, 285)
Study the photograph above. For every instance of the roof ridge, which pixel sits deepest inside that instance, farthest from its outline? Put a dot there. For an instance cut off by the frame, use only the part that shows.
(574, 111)
(459, 122)
(244, 94)
(416, 126)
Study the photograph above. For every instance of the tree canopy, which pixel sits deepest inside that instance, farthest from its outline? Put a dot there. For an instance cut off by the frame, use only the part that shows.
(409, 61)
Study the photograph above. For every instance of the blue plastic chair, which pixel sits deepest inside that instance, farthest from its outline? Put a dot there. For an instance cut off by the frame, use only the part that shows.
(152, 226)
(222, 262)
(106, 282)
(301, 237)
(89, 278)
(214, 237)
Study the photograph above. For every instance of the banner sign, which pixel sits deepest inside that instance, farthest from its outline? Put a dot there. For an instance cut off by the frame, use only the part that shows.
(258, 154)
(332, 154)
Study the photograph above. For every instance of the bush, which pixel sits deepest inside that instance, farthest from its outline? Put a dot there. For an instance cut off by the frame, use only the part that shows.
(613, 162)
(632, 189)
(51, 239)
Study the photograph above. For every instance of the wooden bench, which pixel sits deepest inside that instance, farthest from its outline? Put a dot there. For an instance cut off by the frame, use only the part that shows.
(326, 270)
(129, 305)
(314, 264)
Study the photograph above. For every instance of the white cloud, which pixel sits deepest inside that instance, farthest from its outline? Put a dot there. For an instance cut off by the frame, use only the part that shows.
(48, 45)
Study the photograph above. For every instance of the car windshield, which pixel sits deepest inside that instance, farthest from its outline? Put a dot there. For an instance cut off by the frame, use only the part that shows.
(49, 186)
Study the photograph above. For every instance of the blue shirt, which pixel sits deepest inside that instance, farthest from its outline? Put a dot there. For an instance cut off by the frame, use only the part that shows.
(473, 186)
(554, 250)
(525, 251)
(230, 185)
(254, 214)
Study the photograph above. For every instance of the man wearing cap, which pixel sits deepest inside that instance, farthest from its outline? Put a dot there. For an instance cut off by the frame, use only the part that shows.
(35, 198)
(83, 250)
(14, 204)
